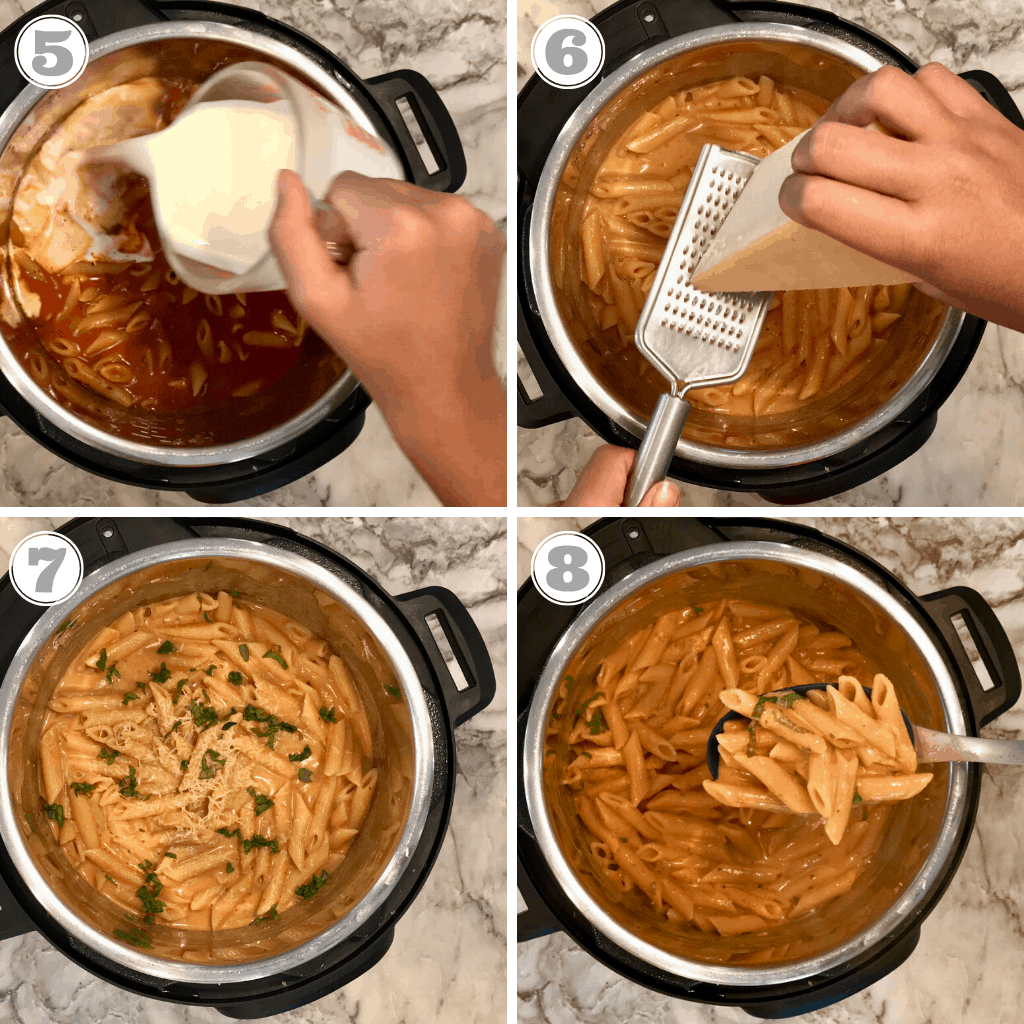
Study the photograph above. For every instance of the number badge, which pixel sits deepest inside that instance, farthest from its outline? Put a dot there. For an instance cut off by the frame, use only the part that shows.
(567, 51)
(567, 568)
(46, 568)
(51, 51)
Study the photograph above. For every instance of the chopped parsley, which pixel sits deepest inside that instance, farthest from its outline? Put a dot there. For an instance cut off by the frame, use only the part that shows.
(234, 832)
(209, 672)
(230, 867)
(235, 678)
(129, 786)
(183, 766)
(263, 803)
(55, 812)
(568, 684)
(135, 936)
(163, 675)
(108, 755)
(597, 723)
(243, 650)
(150, 904)
(277, 657)
(173, 856)
(587, 754)
(209, 565)
(206, 615)
(270, 915)
(207, 769)
(699, 611)
(173, 728)
(202, 715)
(787, 700)
(857, 798)
(394, 691)
(109, 879)
(82, 788)
(234, 593)
(112, 671)
(328, 715)
(182, 683)
(66, 625)
(273, 724)
(305, 775)
(301, 757)
(251, 844)
(312, 887)
(227, 725)
(101, 662)
(206, 696)
(128, 697)
(166, 648)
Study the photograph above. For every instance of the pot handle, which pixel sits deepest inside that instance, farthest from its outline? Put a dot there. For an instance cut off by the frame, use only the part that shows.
(433, 119)
(992, 90)
(551, 406)
(536, 920)
(96, 18)
(467, 648)
(993, 645)
(842, 988)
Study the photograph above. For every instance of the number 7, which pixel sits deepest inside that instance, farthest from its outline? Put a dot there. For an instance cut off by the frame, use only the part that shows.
(44, 585)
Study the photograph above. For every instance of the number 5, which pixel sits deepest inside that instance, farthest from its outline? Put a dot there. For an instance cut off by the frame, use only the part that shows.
(46, 47)
(44, 585)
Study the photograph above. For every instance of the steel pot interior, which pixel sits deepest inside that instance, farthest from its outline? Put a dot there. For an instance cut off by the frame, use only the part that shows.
(199, 436)
(403, 751)
(923, 831)
(619, 380)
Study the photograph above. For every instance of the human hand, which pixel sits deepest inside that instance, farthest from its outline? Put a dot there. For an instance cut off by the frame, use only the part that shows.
(412, 315)
(944, 202)
(602, 484)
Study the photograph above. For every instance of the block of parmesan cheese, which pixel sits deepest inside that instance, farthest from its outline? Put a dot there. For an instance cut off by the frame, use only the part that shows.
(758, 248)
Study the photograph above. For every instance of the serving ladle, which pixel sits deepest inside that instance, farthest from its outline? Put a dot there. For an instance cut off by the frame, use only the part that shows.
(929, 745)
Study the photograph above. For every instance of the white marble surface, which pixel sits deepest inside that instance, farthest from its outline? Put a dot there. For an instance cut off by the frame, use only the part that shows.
(447, 964)
(967, 967)
(460, 47)
(972, 459)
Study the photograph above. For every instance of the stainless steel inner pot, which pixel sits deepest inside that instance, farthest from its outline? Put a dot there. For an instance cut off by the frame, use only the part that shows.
(606, 112)
(919, 840)
(403, 752)
(114, 60)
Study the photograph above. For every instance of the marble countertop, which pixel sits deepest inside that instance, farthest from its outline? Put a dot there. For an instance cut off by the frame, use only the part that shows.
(972, 459)
(967, 966)
(460, 47)
(447, 964)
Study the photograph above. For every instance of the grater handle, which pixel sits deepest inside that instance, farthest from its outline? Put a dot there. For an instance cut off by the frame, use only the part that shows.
(658, 447)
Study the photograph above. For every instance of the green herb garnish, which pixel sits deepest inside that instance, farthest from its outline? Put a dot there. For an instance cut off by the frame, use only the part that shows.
(568, 684)
(394, 691)
(183, 766)
(263, 803)
(108, 755)
(597, 723)
(129, 786)
(173, 728)
(312, 887)
(328, 715)
(305, 775)
(166, 648)
(173, 856)
(277, 657)
(301, 757)
(101, 662)
(230, 867)
(135, 936)
(209, 672)
(273, 724)
(207, 770)
(251, 844)
(857, 798)
(182, 683)
(206, 615)
(128, 697)
(202, 715)
(270, 915)
(111, 672)
(235, 832)
(234, 593)
(55, 812)
(243, 650)
(235, 678)
(82, 788)
(66, 625)
(163, 675)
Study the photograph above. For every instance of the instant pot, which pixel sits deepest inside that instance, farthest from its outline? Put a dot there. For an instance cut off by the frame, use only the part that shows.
(872, 432)
(390, 648)
(648, 559)
(118, 31)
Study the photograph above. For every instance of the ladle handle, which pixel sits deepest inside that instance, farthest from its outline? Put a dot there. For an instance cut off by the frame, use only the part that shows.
(657, 448)
(933, 747)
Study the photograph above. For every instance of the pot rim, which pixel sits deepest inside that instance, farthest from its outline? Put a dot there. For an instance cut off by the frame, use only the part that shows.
(543, 288)
(150, 454)
(533, 752)
(423, 759)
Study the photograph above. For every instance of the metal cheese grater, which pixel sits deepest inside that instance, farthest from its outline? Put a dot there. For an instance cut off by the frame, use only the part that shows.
(696, 339)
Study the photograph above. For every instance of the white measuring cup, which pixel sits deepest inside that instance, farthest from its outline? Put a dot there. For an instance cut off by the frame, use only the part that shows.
(301, 131)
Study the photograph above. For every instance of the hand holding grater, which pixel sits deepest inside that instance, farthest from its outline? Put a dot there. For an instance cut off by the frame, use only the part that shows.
(696, 339)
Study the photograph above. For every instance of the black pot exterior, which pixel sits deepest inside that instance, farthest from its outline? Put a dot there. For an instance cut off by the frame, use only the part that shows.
(631, 543)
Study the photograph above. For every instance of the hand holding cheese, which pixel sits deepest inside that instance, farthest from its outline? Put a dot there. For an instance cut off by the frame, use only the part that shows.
(945, 202)
(412, 315)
